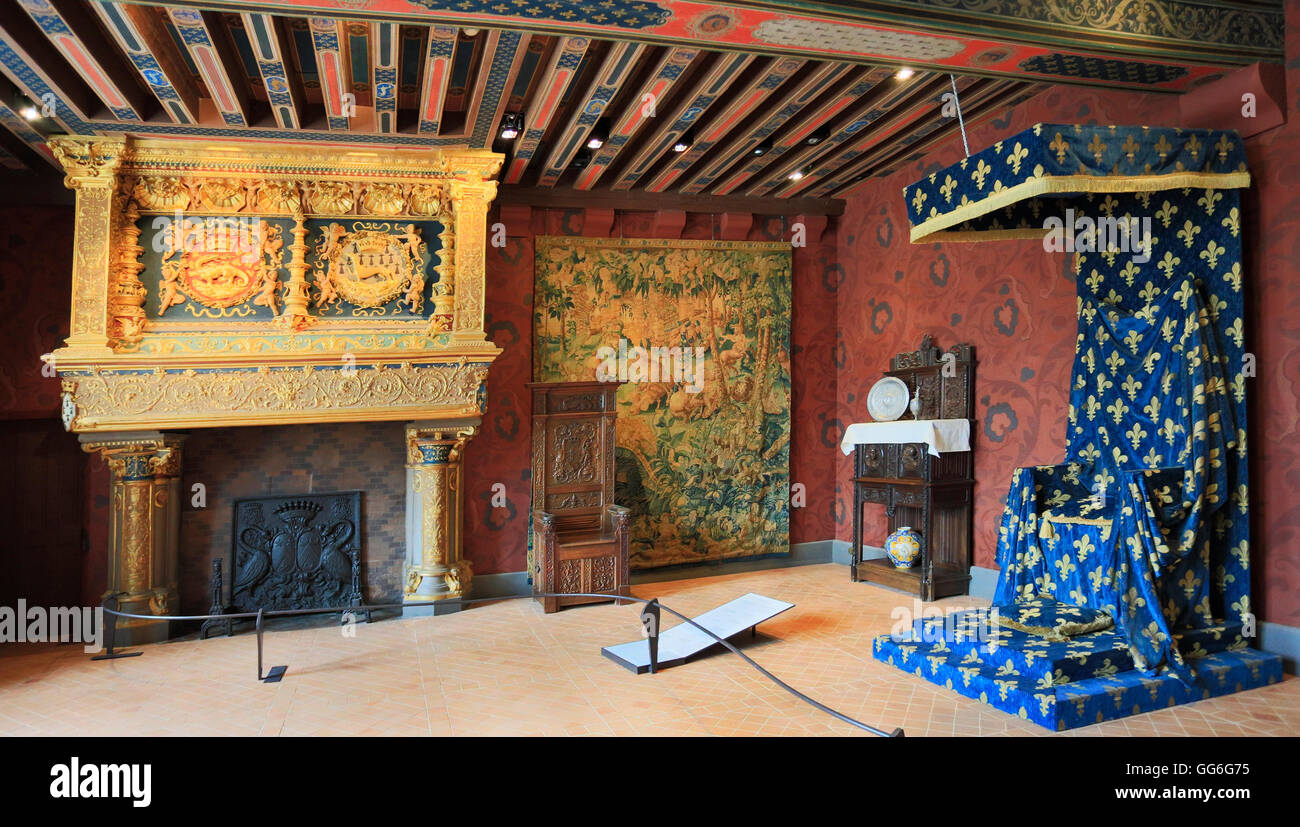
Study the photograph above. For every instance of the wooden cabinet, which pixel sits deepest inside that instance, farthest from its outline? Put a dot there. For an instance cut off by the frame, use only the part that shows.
(932, 494)
(580, 537)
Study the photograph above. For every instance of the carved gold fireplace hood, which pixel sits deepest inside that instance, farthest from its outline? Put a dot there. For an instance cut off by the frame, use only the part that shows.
(128, 366)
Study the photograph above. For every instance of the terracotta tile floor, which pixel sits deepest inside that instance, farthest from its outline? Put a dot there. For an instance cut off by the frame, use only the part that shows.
(508, 669)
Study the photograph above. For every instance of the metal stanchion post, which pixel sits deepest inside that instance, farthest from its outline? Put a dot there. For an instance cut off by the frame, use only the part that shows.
(109, 606)
(650, 620)
(276, 672)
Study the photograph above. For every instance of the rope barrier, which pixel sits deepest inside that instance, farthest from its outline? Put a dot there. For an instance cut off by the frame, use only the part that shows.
(653, 605)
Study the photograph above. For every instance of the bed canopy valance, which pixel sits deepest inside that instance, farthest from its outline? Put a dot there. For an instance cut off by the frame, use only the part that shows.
(1008, 189)
(1146, 518)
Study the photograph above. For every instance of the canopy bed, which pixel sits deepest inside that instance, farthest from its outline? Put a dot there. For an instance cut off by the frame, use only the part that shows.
(1124, 582)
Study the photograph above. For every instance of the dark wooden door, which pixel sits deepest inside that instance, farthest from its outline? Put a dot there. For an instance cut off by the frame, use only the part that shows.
(41, 514)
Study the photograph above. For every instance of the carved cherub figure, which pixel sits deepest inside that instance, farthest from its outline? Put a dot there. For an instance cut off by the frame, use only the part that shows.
(169, 289)
(266, 295)
(326, 295)
(413, 240)
(414, 297)
(332, 234)
(272, 241)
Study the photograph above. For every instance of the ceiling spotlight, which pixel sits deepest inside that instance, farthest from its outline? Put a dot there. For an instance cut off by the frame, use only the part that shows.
(599, 134)
(580, 159)
(904, 73)
(762, 148)
(684, 141)
(818, 135)
(26, 108)
(797, 175)
(512, 123)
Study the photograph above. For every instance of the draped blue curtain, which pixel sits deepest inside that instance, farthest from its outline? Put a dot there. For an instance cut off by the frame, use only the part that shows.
(1147, 517)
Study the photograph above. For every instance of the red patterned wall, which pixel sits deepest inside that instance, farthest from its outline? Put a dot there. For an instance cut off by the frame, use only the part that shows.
(35, 297)
(1016, 304)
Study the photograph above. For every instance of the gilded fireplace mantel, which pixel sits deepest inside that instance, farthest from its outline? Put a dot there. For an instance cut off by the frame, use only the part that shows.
(228, 283)
(285, 338)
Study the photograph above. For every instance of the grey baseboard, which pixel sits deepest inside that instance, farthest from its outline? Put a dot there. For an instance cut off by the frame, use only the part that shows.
(983, 582)
(1281, 640)
(507, 584)
(801, 554)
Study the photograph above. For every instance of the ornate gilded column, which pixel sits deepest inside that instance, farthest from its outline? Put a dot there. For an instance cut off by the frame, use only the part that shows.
(144, 526)
(471, 199)
(91, 170)
(296, 314)
(435, 570)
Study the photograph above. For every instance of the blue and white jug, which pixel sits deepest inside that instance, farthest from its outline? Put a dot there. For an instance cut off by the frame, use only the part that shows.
(903, 547)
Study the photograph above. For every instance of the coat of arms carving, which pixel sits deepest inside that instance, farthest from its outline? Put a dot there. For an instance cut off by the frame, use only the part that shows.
(370, 265)
(221, 264)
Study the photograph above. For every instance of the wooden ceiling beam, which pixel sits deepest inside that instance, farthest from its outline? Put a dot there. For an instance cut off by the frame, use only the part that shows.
(550, 197)
(75, 33)
(560, 71)
(141, 35)
(736, 148)
(385, 64)
(875, 103)
(614, 71)
(496, 76)
(437, 72)
(638, 110)
(271, 49)
(707, 91)
(219, 67)
(332, 74)
(790, 136)
(719, 128)
(39, 70)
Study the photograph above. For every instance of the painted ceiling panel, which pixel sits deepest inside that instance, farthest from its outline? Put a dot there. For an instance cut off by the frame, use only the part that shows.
(762, 102)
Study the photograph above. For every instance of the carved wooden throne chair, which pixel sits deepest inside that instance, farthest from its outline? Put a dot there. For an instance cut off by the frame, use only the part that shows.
(580, 537)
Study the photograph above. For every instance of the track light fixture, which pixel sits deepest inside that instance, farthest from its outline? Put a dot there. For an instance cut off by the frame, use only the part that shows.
(684, 141)
(818, 135)
(797, 175)
(512, 123)
(904, 73)
(762, 147)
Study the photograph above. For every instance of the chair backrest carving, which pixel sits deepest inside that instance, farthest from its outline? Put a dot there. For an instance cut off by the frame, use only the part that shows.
(573, 452)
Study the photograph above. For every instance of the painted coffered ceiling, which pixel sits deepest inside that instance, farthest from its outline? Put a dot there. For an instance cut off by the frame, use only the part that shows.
(743, 99)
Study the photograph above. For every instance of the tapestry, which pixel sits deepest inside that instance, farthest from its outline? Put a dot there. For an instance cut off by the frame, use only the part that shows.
(700, 333)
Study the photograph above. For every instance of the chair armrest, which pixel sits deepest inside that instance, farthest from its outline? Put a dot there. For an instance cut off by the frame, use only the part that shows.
(618, 518)
(544, 523)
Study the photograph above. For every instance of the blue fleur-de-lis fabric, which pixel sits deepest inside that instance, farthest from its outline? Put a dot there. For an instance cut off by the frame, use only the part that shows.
(1147, 518)
(1007, 189)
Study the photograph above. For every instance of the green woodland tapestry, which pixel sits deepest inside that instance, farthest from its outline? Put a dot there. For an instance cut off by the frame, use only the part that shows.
(700, 331)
